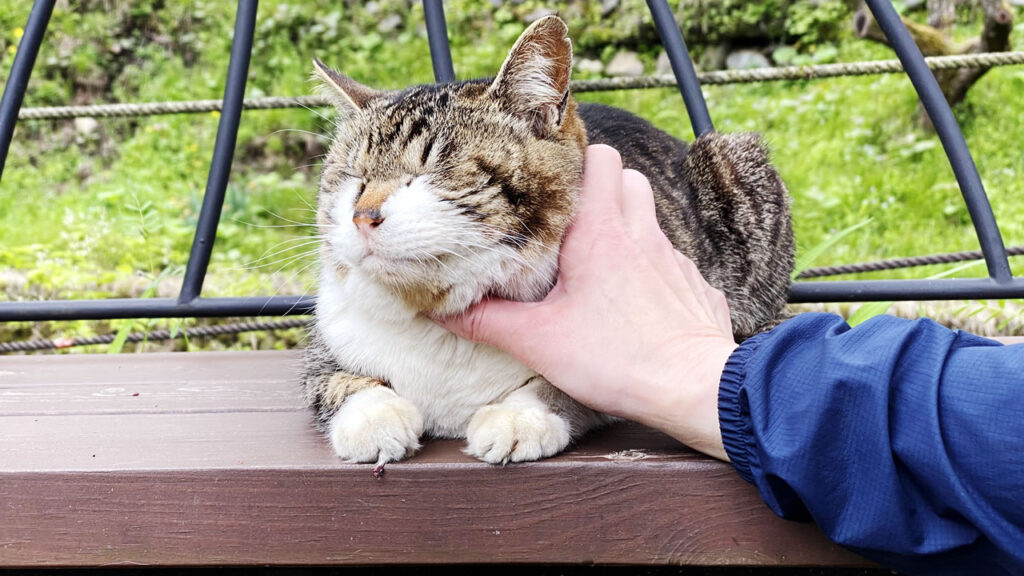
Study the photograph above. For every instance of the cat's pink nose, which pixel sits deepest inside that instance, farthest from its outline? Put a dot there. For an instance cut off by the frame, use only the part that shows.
(367, 221)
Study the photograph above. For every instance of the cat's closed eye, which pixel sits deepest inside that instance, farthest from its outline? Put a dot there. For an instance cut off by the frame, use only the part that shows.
(428, 147)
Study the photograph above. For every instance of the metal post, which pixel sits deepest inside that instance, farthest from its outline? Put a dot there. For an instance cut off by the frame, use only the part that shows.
(867, 290)
(682, 67)
(154, 308)
(437, 37)
(223, 152)
(21, 70)
(952, 139)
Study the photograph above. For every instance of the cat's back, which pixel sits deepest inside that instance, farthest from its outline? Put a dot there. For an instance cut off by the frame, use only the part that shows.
(719, 201)
(643, 147)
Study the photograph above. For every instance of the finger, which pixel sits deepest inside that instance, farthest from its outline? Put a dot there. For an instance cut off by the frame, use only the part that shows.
(638, 208)
(599, 211)
(500, 323)
(600, 194)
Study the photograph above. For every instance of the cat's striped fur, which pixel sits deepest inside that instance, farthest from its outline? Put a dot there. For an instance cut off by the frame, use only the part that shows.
(434, 197)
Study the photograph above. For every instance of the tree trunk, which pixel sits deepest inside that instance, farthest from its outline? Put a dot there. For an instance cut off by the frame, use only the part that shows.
(935, 40)
(941, 15)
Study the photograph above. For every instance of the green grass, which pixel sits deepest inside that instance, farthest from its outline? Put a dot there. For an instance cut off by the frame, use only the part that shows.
(106, 214)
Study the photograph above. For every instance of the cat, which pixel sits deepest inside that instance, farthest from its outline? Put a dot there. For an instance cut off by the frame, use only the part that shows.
(434, 197)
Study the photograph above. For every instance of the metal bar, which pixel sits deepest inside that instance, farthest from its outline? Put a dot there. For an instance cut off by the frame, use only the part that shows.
(223, 152)
(437, 37)
(952, 139)
(154, 308)
(868, 290)
(21, 70)
(682, 66)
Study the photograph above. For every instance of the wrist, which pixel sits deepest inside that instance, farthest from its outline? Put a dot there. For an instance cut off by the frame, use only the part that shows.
(689, 411)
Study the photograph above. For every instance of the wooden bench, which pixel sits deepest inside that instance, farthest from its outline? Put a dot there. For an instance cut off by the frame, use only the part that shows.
(209, 458)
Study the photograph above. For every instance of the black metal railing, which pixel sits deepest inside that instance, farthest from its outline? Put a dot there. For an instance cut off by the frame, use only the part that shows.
(1000, 282)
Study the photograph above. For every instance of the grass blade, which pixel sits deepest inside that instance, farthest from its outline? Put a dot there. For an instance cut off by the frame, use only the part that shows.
(806, 259)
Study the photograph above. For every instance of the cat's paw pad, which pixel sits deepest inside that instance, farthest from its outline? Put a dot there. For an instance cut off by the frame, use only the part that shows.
(500, 434)
(376, 425)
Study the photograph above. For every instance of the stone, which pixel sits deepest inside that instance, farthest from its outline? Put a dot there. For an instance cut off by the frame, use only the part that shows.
(86, 126)
(714, 57)
(589, 65)
(13, 283)
(746, 59)
(625, 63)
(608, 6)
(389, 23)
(663, 66)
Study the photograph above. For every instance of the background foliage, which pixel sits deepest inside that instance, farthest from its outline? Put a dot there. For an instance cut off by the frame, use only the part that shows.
(107, 208)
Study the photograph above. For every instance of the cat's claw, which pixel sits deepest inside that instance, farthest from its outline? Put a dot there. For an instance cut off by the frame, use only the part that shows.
(500, 434)
(376, 425)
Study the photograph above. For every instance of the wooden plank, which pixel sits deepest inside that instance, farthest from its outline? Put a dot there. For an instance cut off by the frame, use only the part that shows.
(558, 512)
(215, 463)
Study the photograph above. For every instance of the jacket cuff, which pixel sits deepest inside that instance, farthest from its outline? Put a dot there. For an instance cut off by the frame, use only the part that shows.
(733, 413)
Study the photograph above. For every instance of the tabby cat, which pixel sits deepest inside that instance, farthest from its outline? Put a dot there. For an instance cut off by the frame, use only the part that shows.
(436, 196)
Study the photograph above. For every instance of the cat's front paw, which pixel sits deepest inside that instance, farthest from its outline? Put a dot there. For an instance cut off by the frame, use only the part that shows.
(499, 434)
(376, 425)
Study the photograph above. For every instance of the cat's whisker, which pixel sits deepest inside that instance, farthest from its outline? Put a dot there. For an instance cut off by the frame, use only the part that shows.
(288, 260)
(331, 121)
(505, 253)
(530, 240)
(316, 134)
(251, 225)
(277, 291)
(279, 217)
(304, 239)
(254, 264)
(284, 263)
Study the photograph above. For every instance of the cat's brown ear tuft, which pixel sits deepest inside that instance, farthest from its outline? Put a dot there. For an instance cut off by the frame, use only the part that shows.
(534, 80)
(342, 91)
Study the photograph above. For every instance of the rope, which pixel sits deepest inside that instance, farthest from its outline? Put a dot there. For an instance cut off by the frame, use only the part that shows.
(156, 335)
(985, 60)
(947, 258)
(234, 328)
(157, 108)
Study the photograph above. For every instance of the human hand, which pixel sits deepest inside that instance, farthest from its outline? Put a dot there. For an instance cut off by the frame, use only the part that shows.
(630, 328)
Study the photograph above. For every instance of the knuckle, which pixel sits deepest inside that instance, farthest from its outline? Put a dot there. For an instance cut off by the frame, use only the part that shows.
(718, 296)
(686, 264)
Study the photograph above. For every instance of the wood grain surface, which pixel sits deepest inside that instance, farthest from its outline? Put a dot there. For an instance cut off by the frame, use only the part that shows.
(206, 459)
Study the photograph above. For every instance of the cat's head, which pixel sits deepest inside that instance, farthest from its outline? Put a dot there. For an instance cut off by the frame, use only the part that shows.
(448, 193)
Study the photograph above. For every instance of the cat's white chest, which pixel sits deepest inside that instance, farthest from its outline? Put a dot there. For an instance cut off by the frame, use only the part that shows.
(372, 333)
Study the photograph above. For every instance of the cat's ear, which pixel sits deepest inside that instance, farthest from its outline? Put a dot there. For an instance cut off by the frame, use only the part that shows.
(534, 80)
(341, 90)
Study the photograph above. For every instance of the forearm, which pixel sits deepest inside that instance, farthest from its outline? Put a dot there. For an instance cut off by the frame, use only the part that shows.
(900, 439)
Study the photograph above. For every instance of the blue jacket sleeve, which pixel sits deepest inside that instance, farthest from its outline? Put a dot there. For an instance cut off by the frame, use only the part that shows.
(903, 440)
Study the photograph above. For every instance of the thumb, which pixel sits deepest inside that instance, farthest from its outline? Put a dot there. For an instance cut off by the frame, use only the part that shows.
(500, 323)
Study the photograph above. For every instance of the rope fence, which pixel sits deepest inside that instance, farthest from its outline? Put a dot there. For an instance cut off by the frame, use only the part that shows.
(154, 336)
(895, 263)
(718, 77)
